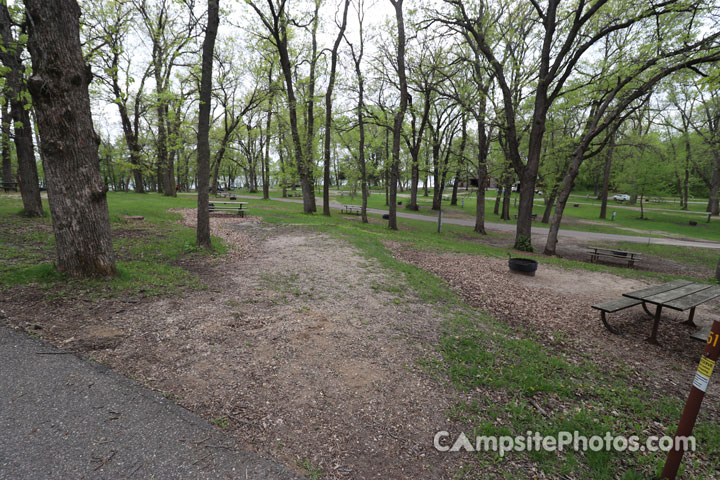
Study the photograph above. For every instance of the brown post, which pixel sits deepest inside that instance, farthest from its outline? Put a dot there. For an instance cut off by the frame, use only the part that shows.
(692, 407)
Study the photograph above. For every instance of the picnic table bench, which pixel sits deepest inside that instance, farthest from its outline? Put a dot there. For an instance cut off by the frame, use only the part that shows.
(597, 252)
(356, 209)
(238, 207)
(679, 295)
(8, 186)
(532, 215)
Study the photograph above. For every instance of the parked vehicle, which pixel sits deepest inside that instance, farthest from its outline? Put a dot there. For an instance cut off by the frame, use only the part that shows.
(621, 197)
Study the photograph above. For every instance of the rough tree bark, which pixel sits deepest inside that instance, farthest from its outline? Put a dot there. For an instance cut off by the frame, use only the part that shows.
(203, 148)
(59, 88)
(10, 55)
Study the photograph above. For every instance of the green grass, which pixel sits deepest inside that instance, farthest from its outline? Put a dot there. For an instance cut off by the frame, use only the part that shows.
(147, 252)
(423, 235)
(627, 221)
(704, 257)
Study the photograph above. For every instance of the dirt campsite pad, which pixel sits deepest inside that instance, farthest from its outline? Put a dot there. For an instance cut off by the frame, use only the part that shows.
(298, 347)
(309, 352)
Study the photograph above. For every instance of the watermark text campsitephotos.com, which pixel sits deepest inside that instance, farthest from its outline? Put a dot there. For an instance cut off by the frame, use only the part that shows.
(535, 441)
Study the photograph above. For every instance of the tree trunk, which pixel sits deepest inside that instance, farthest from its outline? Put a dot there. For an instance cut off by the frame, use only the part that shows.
(496, 210)
(213, 186)
(550, 204)
(426, 182)
(10, 55)
(7, 174)
(606, 177)
(266, 159)
(399, 116)
(361, 146)
(568, 182)
(482, 182)
(507, 194)
(713, 205)
(454, 195)
(282, 167)
(130, 134)
(328, 110)
(59, 88)
(523, 232)
(642, 209)
(414, 180)
(203, 147)
(437, 191)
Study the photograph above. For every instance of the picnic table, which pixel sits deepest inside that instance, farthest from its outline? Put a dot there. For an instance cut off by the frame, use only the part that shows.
(680, 295)
(356, 209)
(238, 207)
(597, 252)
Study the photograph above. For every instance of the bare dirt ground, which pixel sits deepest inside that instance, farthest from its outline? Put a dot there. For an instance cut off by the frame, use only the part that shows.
(556, 304)
(298, 348)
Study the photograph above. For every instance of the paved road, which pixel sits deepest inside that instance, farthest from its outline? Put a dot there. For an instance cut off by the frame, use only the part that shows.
(574, 235)
(65, 417)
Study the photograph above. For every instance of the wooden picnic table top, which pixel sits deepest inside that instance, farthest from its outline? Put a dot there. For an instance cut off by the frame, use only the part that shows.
(678, 295)
(230, 203)
(613, 250)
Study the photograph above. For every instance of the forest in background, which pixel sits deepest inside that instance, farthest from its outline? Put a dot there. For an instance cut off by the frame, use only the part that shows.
(607, 96)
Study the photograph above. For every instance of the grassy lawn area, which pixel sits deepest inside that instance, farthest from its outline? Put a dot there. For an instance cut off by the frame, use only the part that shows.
(706, 257)
(476, 353)
(147, 252)
(582, 218)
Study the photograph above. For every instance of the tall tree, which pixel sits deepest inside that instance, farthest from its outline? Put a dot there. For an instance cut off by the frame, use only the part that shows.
(706, 124)
(612, 103)
(328, 109)
(203, 158)
(276, 20)
(561, 37)
(357, 57)
(399, 114)
(110, 26)
(11, 57)
(170, 33)
(59, 88)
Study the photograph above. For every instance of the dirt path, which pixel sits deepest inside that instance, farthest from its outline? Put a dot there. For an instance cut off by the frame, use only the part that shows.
(300, 347)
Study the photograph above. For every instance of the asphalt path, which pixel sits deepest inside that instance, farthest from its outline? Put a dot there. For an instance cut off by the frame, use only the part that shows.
(64, 417)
